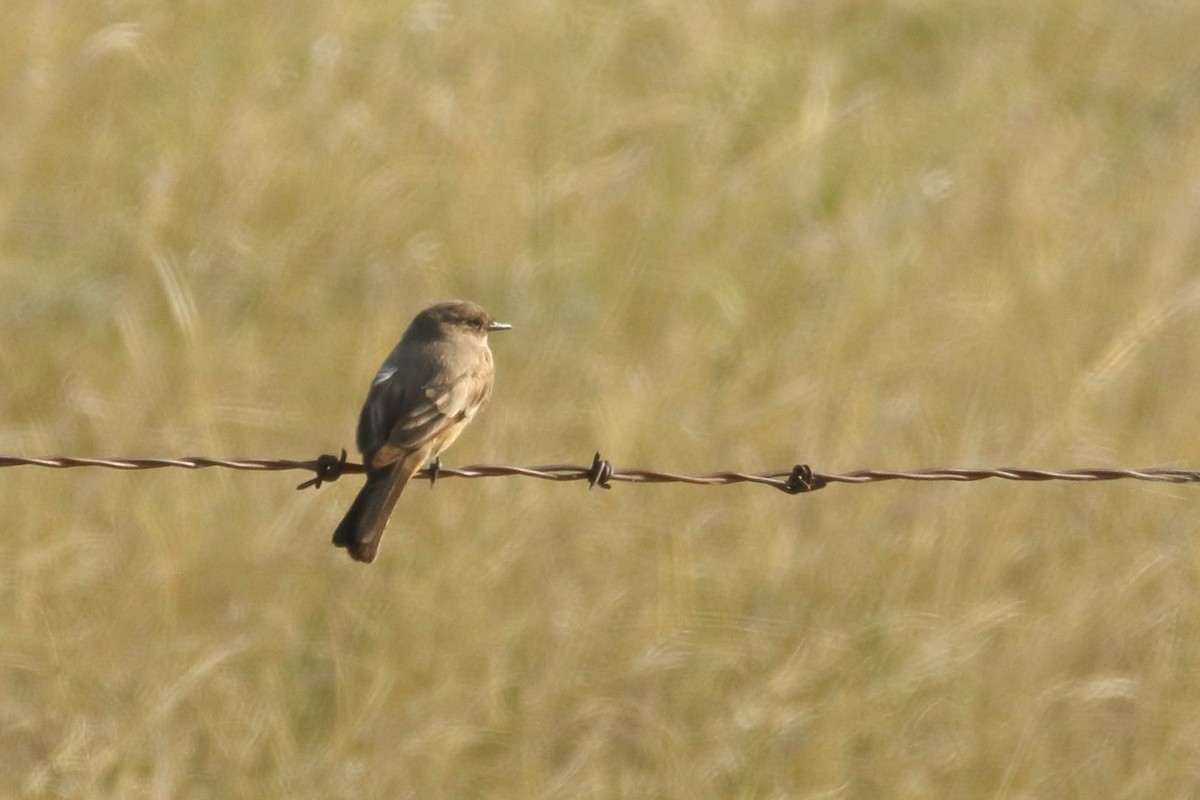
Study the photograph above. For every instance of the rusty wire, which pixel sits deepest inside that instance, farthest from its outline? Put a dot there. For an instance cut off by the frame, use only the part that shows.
(796, 480)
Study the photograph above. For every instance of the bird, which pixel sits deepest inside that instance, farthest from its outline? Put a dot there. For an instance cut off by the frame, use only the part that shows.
(429, 388)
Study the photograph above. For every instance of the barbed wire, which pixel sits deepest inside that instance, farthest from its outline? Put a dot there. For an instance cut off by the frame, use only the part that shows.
(796, 480)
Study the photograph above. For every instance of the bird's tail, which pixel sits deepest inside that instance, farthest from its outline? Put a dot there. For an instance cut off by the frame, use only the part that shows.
(362, 527)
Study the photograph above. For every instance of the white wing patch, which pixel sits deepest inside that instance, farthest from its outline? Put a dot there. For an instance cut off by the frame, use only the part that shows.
(385, 372)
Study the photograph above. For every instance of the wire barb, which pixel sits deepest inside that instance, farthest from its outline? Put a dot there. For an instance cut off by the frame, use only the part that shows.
(328, 468)
(434, 470)
(600, 473)
(803, 480)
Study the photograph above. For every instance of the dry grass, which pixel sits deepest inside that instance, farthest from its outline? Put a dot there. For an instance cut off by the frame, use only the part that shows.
(729, 235)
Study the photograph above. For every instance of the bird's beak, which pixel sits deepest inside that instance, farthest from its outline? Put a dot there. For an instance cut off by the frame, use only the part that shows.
(499, 326)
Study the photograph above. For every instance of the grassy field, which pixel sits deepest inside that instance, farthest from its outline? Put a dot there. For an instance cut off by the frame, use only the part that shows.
(729, 235)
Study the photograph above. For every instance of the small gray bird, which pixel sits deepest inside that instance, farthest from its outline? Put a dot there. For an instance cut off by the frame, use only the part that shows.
(429, 388)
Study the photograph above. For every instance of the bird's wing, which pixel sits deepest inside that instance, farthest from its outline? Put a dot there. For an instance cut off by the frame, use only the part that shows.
(416, 397)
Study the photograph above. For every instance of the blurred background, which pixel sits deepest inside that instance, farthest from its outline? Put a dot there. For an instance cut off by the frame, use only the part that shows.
(729, 235)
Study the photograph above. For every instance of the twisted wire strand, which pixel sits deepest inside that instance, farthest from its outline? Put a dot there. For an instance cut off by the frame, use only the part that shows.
(795, 480)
